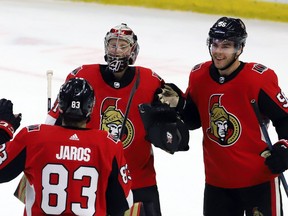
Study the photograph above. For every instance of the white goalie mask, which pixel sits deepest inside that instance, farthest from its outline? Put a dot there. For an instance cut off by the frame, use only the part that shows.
(121, 48)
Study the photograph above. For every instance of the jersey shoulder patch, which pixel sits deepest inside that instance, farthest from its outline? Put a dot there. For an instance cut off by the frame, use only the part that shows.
(154, 74)
(196, 67)
(259, 68)
(32, 128)
(201, 65)
(75, 71)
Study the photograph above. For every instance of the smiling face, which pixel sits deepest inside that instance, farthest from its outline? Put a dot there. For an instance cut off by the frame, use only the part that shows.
(225, 55)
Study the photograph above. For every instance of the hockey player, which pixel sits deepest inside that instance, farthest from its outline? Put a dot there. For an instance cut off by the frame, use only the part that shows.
(71, 170)
(152, 123)
(238, 179)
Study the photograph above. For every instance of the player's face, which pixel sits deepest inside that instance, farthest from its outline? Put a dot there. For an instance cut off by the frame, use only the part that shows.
(118, 48)
(222, 52)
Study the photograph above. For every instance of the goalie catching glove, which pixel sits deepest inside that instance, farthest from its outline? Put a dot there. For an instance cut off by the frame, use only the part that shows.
(164, 128)
(277, 157)
(171, 95)
(8, 121)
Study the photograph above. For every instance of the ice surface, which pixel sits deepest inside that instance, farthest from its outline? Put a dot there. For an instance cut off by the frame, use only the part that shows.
(36, 36)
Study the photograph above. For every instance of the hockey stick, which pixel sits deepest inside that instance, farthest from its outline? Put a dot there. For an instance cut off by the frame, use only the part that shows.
(49, 75)
(133, 90)
(268, 141)
(20, 190)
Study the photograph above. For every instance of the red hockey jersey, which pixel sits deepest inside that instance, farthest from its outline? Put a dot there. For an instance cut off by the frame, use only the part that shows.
(232, 140)
(108, 115)
(69, 171)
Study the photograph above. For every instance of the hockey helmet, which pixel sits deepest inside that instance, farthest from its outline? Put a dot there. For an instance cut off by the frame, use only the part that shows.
(76, 100)
(115, 62)
(227, 28)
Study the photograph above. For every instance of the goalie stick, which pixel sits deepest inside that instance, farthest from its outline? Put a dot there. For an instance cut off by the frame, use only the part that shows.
(49, 75)
(133, 90)
(20, 190)
(267, 140)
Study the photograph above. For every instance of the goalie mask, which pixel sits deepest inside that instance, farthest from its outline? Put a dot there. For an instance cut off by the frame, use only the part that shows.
(121, 48)
(76, 100)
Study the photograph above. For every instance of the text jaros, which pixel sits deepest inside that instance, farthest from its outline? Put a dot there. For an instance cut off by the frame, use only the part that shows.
(74, 153)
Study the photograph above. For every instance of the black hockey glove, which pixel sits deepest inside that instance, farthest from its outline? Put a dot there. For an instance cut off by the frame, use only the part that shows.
(8, 121)
(277, 158)
(170, 94)
(163, 127)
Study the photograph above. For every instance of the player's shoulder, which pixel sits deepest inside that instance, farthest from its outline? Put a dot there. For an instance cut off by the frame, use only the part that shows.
(30, 130)
(35, 127)
(257, 67)
(200, 68)
(259, 71)
(84, 69)
(147, 72)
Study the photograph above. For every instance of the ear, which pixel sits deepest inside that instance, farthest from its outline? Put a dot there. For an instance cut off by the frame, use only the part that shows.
(240, 50)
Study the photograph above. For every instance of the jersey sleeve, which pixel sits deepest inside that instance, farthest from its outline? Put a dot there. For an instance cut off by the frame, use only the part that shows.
(190, 114)
(273, 103)
(119, 195)
(52, 114)
(12, 157)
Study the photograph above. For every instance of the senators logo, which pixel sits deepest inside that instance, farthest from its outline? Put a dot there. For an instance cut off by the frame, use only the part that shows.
(224, 127)
(112, 120)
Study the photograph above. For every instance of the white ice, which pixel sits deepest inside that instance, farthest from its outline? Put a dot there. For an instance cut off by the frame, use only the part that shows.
(38, 35)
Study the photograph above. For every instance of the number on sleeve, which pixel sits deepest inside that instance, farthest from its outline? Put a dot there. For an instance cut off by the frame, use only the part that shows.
(3, 153)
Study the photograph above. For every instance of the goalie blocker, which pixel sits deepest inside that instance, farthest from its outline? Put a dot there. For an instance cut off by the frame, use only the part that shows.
(164, 128)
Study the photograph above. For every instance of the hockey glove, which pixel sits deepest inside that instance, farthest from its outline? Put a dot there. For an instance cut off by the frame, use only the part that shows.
(170, 94)
(163, 127)
(8, 121)
(277, 157)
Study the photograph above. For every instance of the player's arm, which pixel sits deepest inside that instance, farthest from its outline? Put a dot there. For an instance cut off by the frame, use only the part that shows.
(11, 167)
(278, 114)
(119, 197)
(190, 114)
(12, 157)
(277, 157)
(8, 121)
(53, 117)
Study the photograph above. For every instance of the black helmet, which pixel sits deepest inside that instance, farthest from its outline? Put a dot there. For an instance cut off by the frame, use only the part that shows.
(76, 100)
(227, 28)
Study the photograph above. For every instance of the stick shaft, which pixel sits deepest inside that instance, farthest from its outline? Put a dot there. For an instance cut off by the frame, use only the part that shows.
(133, 90)
(268, 140)
(49, 88)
